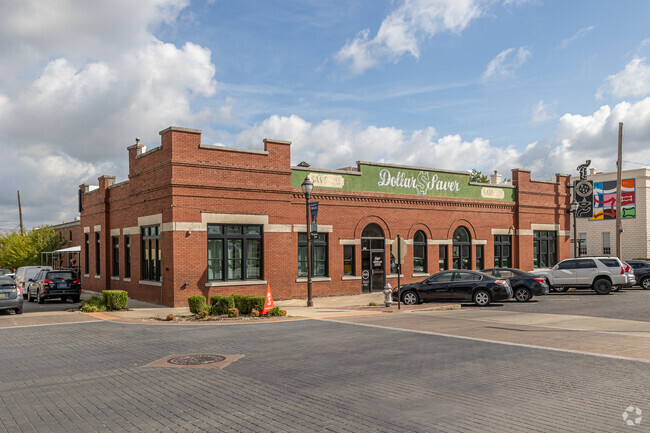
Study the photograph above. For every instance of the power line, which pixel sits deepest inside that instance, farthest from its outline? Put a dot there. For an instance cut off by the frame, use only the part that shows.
(638, 163)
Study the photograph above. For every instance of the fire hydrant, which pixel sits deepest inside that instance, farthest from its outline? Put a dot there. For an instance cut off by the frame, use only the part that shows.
(388, 292)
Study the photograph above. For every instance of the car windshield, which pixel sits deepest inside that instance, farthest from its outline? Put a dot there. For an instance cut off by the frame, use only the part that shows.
(59, 276)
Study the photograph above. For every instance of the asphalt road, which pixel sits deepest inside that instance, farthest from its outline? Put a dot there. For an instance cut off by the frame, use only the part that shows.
(308, 375)
(631, 304)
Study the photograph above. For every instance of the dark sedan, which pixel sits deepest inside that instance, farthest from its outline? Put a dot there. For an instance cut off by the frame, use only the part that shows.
(641, 272)
(524, 285)
(457, 285)
(54, 284)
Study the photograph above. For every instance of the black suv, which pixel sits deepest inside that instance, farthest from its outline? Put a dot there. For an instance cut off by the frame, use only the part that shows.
(641, 271)
(54, 284)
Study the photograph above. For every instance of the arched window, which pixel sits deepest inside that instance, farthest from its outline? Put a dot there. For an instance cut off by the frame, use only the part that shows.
(419, 252)
(462, 248)
(372, 230)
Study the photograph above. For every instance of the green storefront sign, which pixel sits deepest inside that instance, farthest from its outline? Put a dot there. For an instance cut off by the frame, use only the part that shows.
(402, 180)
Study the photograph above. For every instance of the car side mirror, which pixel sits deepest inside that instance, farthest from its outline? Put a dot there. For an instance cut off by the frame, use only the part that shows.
(31, 279)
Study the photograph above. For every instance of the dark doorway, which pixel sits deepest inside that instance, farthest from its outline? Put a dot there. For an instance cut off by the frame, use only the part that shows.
(373, 270)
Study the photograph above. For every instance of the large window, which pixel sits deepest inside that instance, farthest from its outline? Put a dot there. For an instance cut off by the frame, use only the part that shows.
(582, 239)
(319, 255)
(461, 249)
(86, 253)
(479, 257)
(97, 254)
(544, 249)
(150, 253)
(116, 256)
(419, 252)
(607, 250)
(502, 251)
(234, 252)
(127, 256)
(442, 260)
(348, 259)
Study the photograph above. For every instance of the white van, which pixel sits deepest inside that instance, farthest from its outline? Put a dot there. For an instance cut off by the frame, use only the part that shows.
(24, 274)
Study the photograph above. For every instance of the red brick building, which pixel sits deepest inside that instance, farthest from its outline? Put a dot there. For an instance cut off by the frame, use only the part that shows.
(195, 219)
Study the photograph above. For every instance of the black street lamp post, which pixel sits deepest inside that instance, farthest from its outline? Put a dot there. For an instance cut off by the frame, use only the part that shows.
(574, 211)
(307, 187)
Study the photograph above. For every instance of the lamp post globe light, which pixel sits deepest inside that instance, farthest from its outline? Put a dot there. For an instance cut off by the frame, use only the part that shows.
(307, 186)
(574, 211)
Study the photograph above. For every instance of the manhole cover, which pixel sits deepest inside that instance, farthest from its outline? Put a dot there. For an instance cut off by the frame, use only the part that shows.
(196, 359)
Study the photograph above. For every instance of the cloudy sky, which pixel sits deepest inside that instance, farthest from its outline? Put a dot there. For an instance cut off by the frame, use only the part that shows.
(452, 84)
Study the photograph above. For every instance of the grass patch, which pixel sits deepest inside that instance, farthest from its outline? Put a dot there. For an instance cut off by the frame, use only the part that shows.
(93, 305)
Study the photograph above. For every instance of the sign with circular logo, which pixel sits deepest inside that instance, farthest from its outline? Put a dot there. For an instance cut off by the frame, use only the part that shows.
(584, 188)
(365, 274)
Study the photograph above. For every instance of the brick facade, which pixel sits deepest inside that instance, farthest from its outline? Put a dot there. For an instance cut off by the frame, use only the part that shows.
(183, 186)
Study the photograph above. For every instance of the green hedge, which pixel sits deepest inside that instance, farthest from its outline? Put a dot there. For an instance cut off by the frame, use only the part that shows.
(243, 303)
(115, 299)
(197, 304)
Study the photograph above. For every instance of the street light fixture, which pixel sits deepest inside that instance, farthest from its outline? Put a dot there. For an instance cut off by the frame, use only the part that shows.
(307, 186)
(574, 211)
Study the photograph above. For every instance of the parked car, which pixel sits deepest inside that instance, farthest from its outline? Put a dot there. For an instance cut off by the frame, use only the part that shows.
(641, 272)
(464, 285)
(10, 295)
(54, 284)
(24, 274)
(4, 271)
(524, 285)
(598, 273)
(630, 274)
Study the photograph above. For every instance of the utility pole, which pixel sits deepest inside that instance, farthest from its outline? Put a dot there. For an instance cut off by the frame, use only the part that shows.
(20, 213)
(619, 167)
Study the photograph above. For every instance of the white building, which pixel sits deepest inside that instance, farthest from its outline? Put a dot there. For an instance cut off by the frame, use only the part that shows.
(597, 235)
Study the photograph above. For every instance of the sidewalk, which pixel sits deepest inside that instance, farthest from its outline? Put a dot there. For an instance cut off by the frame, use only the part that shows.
(328, 306)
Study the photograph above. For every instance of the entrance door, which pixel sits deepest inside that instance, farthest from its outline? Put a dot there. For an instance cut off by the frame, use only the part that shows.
(461, 249)
(373, 269)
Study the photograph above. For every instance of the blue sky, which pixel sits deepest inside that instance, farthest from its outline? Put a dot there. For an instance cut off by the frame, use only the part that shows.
(451, 84)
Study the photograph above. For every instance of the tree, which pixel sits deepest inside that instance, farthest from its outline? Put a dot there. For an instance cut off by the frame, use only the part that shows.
(476, 176)
(17, 250)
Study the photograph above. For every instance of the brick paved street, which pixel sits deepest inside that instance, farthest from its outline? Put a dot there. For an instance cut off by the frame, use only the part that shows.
(308, 375)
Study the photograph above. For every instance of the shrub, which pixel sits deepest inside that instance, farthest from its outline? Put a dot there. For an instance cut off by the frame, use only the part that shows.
(255, 313)
(170, 317)
(233, 312)
(213, 310)
(257, 302)
(372, 304)
(275, 311)
(93, 305)
(214, 300)
(115, 299)
(225, 302)
(196, 304)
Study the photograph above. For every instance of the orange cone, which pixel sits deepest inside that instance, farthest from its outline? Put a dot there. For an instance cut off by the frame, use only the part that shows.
(268, 303)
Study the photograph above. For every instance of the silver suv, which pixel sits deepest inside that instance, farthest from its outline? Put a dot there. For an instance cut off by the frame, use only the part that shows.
(598, 273)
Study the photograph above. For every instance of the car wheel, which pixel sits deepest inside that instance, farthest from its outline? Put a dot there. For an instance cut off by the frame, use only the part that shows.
(482, 298)
(522, 294)
(561, 289)
(602, 286)
(40, 299)
(645, 283)
(19, 311)
(410, 298)
(29, 297)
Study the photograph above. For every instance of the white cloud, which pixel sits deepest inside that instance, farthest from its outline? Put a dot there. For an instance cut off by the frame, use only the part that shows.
(542, 112)
(405, 28)
(633, 80)
(579, 34)
(107, 80)
(505, 63)
(334, 144)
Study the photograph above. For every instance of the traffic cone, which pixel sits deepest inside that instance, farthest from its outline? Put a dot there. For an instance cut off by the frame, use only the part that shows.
(268, 302)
